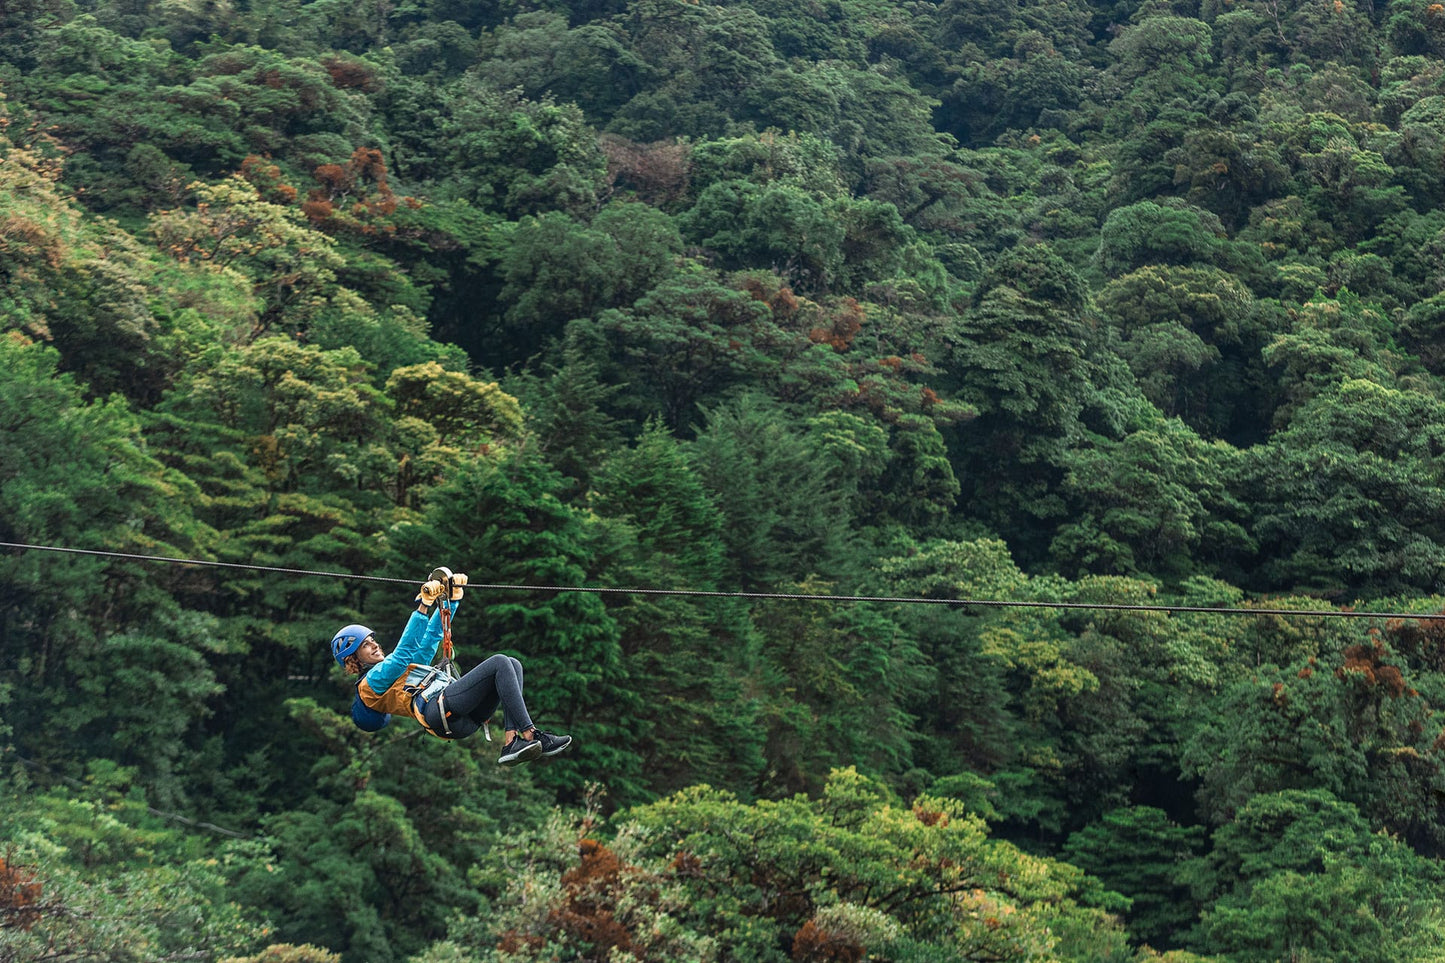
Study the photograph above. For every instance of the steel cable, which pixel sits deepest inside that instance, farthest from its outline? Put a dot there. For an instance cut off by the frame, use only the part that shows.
(781, 596)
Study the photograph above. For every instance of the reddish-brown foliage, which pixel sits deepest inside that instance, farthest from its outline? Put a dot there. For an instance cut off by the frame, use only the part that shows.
(779, 298)
(365, 212)
(1366, 662)
(930, 818)
(265, 176)
(846, 321)
(19, 896)
(812, 944)
(755, 288)
(785, 304)
(22, 233)
(658, 173)
(514, 942)
(591, 887)
(333, 177)
(367, 162)
(1421, 640)
(686, 864)
(349, 74)
(598, 863)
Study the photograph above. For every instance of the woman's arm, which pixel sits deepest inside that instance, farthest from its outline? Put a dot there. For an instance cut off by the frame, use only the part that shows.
(418, 643)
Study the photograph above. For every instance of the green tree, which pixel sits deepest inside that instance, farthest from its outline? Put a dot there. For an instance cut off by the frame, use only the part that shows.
(94, 875)
(89, 288)
(1192, 338)
(557, 270)
(589, 65)
(1150, 504)
(1328, 341)
(1139, 852)
(690, 339)
(1347, 721)
(1022, 353)
(1286, 864)
(292, 268)
(1170, 232)
(569, 405)
(1159, 71)
(1343, 500)
(355, 877)
(310, 417)
(852, 871)
(839, 682)
(923, 867)
(701, 64)
(1229, 168)
(865, 112)
(776, 226)
(964, 720)
(517, 156)
(691, 661)
(1349, 184)
(77, 474)
(806, 161)
(783, 518)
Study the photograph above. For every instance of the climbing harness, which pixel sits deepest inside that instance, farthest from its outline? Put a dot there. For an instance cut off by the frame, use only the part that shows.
(429, 683)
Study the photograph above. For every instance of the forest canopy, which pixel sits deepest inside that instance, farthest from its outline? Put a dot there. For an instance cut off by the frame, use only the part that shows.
(1096, 307)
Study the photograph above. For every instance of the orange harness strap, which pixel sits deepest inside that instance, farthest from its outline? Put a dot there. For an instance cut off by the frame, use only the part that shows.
(446, 635)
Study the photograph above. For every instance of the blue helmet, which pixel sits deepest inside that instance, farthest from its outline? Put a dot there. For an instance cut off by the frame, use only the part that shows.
(347, 641)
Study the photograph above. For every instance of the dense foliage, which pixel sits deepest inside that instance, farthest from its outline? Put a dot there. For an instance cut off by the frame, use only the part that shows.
(1088, 301)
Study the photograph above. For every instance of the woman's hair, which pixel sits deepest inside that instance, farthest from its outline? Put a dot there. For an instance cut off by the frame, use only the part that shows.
(353, 664)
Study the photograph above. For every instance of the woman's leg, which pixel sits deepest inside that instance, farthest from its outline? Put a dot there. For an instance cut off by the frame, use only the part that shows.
(521, 684)
(476, 695)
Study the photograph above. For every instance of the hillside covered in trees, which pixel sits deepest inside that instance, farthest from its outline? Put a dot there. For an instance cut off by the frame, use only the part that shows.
(1042, 301)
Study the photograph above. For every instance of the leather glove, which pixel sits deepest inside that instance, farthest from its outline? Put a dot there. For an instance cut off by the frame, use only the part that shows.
(451, 582)
(430, 592)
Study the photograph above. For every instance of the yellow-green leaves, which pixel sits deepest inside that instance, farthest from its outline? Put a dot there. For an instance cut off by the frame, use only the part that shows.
(292, 267)
(463, 410)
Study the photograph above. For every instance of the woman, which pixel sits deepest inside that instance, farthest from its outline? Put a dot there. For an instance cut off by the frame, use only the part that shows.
(406, 682)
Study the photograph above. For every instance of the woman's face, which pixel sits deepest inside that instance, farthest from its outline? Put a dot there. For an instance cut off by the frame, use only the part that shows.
(370, 652)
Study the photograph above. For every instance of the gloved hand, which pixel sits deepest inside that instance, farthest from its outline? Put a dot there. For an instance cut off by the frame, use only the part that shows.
(431, 591)
(451, 582)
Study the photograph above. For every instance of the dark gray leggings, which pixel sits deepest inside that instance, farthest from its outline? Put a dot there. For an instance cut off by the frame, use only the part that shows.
(471, 700)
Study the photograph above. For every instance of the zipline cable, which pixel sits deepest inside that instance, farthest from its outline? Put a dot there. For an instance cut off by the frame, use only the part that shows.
(784, 596)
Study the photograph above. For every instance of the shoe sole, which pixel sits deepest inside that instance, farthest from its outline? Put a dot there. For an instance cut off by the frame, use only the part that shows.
(526, 754)
(560, 749)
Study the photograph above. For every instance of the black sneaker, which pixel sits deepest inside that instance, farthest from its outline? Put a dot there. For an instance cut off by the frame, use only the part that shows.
(551, 742)
(519, 750)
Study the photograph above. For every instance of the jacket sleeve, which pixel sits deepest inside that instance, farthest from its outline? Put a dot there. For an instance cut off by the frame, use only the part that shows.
(418, 643)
